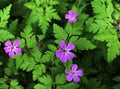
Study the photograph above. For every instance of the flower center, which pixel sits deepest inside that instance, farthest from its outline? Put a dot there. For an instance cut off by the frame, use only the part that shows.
(71, 16)
(64, 51)
(12, 47)
(73, 73)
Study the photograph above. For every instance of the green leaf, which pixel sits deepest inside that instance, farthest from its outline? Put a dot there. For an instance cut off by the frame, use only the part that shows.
(13, 26)
(36, 54)
(28, 63)
(73, 39)
(40, 86)
(4, 16)
(84, 44)
(60, 33)
(3, 84)
(47, 57)
(101, 25)
(52, 47)
(113, 50)
(71, 86)
(54, 2)
(19, 60)
(68, 86)
(46, 80)
(38, 2)
(68, 65)
(1, 63)
(59, 87)
(14, 85)
(30, 5)
(2, 80)
(42, 15)
(98, 26)
(106, 36)
(103, 9)
(50, 13)
(99, 8)
(117, 78)
(38, 70)
(5, 35)
(91, 25)
(22, 41)
(73, 29)
(60, 79)
(29, 36)
(40, 37)
(109, 9)
(8, 71)
(11, 66)
(62, 7)
(34, 15)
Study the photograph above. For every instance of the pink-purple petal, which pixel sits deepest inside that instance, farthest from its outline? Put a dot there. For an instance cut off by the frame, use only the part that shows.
(76, 78)
(16, 43)
(75, 14)
(11, 53)
(70, 46)
(70, 55)
(7, 49)
(18, 51)
(8, 43)
(63, 57)
(71, 20)
(70, 12)
(58, 53)
(67, 16)
(69, 78)
(62, 44)
(79, 72)
(74, 67)
(74, 20)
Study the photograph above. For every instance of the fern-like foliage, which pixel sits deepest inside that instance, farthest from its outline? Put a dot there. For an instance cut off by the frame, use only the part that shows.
(60, 79)
(102, 28)
(4, 35)
(29, 36)
(28, 63)
(38, 71)
(42, 14)
(60, 34)
(4, 16)
(46, 82)
(14, 85)
(71, 34)
(84, 44)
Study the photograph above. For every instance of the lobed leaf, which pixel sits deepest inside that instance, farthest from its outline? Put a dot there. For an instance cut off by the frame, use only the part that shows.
(84, 44)
(5, 35)
(60, 33)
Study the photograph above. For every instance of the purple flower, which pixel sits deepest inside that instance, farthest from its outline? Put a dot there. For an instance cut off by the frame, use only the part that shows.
(64, 53)
(11, 49)
(74, 74)
(71, 16)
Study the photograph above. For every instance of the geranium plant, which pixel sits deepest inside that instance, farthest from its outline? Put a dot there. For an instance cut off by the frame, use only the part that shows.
(59, 44)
